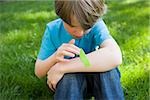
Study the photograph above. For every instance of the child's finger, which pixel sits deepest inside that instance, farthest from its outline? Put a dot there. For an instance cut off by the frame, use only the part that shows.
(66, 53)
(72, 50)
(50, 86)
(72, 41)
(73, 46)
(64, 45)
(54, 87)
(63, 60)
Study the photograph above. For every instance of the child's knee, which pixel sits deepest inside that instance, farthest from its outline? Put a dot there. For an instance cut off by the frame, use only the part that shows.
(111, 75)
(70, 79)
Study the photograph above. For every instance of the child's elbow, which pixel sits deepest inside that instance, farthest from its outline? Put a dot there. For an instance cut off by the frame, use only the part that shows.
(118, 60)
(37, 70)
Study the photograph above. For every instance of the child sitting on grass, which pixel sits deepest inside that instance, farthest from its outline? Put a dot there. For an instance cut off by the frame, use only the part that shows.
(80, 26)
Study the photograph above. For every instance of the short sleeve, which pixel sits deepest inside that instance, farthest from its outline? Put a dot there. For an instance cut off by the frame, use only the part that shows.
(101, 32)
(47, 47)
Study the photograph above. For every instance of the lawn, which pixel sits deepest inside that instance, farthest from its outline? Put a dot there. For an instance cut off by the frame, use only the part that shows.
(22, 24)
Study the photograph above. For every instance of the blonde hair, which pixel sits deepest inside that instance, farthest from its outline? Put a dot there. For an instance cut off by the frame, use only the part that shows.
(87, 12)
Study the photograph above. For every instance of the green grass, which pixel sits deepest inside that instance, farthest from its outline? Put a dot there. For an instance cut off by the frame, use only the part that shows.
(22, 24)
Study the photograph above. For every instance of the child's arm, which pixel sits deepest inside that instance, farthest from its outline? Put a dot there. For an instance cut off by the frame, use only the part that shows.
(42, 66)
(66, 49)
(106, 58)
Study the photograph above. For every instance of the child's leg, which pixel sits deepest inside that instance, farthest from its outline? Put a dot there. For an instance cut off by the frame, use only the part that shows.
(107, 86)
(70, 87)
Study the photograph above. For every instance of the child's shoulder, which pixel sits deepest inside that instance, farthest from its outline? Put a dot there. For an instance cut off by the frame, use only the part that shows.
(99, 25)
(55, 23)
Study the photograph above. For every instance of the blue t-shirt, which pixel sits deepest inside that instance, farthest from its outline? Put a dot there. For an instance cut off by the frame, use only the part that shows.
(55, 35)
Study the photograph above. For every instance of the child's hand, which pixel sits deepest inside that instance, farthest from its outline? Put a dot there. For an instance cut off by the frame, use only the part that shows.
(66, 49)
(55, 74)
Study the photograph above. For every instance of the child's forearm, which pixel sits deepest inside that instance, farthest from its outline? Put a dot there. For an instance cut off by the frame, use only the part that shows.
(43, 66)
(102, 60)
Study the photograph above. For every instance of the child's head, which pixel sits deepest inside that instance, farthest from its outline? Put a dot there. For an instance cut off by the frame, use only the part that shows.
(79, 15)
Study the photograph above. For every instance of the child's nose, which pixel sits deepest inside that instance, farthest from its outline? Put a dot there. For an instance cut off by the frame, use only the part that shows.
(78, 33)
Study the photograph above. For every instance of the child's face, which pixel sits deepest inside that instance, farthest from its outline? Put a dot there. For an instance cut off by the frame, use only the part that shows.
(75, 29)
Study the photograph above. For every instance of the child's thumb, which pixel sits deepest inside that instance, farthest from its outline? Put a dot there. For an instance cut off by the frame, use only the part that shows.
(72, 41)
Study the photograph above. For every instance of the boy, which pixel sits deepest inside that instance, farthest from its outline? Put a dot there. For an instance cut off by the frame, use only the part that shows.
(80, 26)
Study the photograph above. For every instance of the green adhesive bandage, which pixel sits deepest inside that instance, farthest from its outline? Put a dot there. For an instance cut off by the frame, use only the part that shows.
(84, 58)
